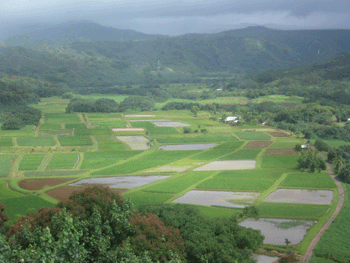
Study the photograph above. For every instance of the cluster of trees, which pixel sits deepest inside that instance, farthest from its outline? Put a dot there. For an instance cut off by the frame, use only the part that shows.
(190, 106)
(78, 104)
(340, 158)
(16, 117)
(310, 160)
(97, 225)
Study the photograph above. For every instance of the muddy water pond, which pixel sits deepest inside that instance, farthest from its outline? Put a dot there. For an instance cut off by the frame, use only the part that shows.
(187, 147)
(301, 196)
(217, 198)
(276, 231)
(121, 181)
(227, 165)
(169, 124)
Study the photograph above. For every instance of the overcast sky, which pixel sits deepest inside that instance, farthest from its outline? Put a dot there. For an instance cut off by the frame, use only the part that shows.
(179, 17)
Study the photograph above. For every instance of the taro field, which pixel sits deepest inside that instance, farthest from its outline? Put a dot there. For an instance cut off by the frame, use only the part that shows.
(218, 167)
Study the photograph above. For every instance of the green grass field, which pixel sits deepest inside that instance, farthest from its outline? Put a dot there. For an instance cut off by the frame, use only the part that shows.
(220, 183)
(6, 192)
(217, 212)
(145, 162)
(178, 184)
(108, 144)
(217, 151)
(286, 143)
(36, 141)
(297, 211)
(256, 136)
(51, 173)
(140, 198)
(96, 160)
(21, 205)
(244, 154)
(308, 180)
(279, 161)
(51, 126)
(6, 142)
(108, 123)
(74, 140)
(196, 139)
(6, 164)
(252, 174)
(59, 118)
(153, 129)
(62, 161)
(31, 161)
(334, 243)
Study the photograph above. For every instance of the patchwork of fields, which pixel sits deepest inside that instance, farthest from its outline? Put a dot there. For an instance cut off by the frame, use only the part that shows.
(245, 167)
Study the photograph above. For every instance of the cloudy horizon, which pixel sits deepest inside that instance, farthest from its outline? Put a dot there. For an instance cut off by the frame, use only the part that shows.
(180, 17)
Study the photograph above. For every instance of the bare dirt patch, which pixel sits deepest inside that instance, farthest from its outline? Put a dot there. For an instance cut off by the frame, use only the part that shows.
(38, 184)
(62, 193)
(281, 151)
(279, 134)
(258, 144)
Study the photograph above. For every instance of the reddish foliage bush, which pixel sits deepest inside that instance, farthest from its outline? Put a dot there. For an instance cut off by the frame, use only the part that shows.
(159, 240)
(3, 217)
(82, 203)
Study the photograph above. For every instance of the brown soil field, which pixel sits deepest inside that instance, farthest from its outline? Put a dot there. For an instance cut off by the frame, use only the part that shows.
(258, 144)
(281, 151)
(62, 193)
(278, 134)
(38, 184)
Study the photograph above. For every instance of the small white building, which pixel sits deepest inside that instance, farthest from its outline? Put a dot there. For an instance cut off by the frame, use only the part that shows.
(230, 118)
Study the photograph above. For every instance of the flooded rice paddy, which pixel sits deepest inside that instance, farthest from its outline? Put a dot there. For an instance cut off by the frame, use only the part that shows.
(187, 147)
(120, 181)
(264, 259)
(169, 124)
(137, 143)
(301, 196)
(276, 231)
(227, 165)
(218, 198)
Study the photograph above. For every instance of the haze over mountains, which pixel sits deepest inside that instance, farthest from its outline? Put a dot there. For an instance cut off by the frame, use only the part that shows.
(69, 52)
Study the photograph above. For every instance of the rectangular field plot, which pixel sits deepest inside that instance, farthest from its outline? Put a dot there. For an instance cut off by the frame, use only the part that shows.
(20, 205)
(236, 184)
(217, 198)
(227, 165)
(74, 140)
(252, 174)
(58, 118)
(153, 128)
(244, 154)
(137, 143)
(6, 142)
(286, 143)
(52, 126)
(187, 147)
(62, 161)
(257, 136)
(217, 151)
(308, 180)
(301, 196)
(52, 173)
(6, 164)
(108, 144)
(31, 161)
(145, 162)
(279, 161)
(95, 160)
(36, 141)
(108, 123)
(178, 184)
(140, 198)
(195, 139)
(298, 211)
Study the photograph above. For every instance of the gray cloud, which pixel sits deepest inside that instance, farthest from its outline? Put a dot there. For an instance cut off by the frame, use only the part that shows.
(140, 14)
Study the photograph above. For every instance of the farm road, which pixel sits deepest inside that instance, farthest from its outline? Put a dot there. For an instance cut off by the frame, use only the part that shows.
(341, 199)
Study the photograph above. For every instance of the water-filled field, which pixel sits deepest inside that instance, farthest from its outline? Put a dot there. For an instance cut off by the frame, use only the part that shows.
(301, 196)
(227, 165)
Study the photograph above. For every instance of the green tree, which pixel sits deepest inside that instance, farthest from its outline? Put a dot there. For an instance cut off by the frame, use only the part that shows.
(195, 110)
(3, 217)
